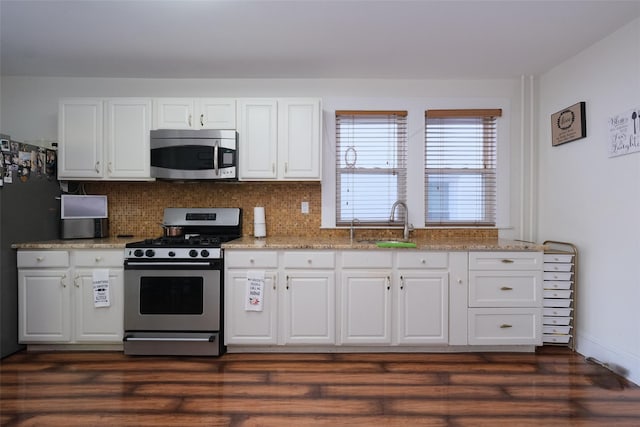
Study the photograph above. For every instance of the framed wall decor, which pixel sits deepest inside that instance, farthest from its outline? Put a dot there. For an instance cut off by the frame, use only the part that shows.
(569, 124)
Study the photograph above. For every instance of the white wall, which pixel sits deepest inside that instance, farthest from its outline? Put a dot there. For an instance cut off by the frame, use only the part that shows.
(592, 200)
(29, 109)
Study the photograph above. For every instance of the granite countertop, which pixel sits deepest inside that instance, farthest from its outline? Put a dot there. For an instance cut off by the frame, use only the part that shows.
(292, 242)
(104, 243)
(338, 243)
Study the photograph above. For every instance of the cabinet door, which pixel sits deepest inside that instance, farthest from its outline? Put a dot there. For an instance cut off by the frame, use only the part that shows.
(217, 113)
(174, 113)
(366, 307)
(423, 307)
(104, 324)
(258, 145)
(249, 327)
(127, 136)
(44, 311)
(80, 137)
(299, 151)
(309, 307)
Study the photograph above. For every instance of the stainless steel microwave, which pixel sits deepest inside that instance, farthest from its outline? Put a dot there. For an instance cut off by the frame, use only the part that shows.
(186, 154)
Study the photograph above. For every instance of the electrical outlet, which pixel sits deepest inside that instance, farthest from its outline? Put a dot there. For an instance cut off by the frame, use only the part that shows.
(304, 207)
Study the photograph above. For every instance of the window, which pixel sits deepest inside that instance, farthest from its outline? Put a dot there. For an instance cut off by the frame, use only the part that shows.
(371, 165)
(460, 167)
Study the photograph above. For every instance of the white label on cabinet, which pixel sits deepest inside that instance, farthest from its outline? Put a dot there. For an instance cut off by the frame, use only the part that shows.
(101, 288)
(255, 291)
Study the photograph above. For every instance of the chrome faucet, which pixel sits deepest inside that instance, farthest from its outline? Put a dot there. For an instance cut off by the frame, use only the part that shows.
(407, 227)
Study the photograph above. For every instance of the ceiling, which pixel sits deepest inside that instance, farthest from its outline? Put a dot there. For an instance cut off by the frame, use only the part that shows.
(300, 38)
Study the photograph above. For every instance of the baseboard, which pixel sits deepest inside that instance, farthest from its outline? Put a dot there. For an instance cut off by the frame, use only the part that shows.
(621, 362)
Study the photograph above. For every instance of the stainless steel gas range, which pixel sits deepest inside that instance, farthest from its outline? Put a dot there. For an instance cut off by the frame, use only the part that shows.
(173, 284)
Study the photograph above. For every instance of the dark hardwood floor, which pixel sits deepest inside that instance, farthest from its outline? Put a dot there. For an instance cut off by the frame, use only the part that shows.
(553, 387)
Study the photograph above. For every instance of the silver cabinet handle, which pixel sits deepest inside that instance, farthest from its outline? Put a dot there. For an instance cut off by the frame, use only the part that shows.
(507, 261)
(505, 326)
(40, 259)
(401, 282)
(506, 288)
(287, 283)
(202, 120)
(97, 167)
(273, 167)
(98, 258)
(189, 120)
(64, 276)
(75, 281)
(274, 282)
(286, 167)
(388, 282)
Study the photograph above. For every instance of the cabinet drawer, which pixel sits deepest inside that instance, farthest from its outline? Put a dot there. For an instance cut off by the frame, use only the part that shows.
(99, 258)
(505, 260)
(555, 329)
(367, 259)
(557, 266)
(251, 259)
(548, 275)
(423, 259)
(554, 293)
(557, 311)
(551, 320)
(305, 259)
(561, 284)
(557, 302)
(558, 339)
(504, 289)
(558, 257)
(505, 326)
(43, 259)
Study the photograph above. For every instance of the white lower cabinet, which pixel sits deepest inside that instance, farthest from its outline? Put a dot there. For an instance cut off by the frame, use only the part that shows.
(242, 326)
(383, 298)
(56, 299)
(505, 298)
(299, 302)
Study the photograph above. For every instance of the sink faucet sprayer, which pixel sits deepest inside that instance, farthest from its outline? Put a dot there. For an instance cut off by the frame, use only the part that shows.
(407, 226)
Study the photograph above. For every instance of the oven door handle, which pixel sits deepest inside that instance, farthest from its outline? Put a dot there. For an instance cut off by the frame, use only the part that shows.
(187, 263)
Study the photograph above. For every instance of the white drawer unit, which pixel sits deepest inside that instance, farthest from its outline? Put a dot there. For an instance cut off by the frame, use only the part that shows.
(559, 312)
(505, 298)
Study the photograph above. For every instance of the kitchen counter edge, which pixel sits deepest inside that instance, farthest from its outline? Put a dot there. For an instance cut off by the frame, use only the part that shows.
(421, 244)
(105, 243)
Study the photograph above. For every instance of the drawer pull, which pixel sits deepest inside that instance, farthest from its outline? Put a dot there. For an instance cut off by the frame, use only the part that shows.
(388, 282)
(98, 258)
(505, 326)
(401, 282)
(506, 288)
(252, 261)
(287, 285)
(40, 259)
(309, 261)
(507, 261)
(423, 261)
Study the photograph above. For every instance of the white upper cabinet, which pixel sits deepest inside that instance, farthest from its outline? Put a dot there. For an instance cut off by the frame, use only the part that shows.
(279, 139)
(127, 138)
(194, 113)
(80, 139)
(258, 143)
(102, 139)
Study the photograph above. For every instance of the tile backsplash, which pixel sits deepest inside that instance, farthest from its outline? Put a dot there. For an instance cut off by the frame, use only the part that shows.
(137, 207)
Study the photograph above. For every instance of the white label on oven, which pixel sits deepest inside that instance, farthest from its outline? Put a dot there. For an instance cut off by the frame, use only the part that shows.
(101, 288)
(254, 297)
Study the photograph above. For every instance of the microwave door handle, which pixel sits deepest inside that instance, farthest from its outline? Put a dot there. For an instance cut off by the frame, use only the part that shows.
(215, 158)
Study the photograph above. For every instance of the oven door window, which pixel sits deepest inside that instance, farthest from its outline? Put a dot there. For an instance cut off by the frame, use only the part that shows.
(171, 295)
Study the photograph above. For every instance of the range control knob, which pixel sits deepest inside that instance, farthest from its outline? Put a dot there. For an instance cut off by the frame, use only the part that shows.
(171, 254)
(150, 253)
(204, 253)
(193, 253)
(138, 252)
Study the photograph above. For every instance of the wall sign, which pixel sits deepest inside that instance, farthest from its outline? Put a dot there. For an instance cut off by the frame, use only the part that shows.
(569, 124)
(624, 133)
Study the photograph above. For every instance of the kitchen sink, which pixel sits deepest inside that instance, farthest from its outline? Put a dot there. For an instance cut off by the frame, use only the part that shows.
(389, 243)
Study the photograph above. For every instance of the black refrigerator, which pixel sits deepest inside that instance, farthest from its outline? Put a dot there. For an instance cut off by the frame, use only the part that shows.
(29, 211)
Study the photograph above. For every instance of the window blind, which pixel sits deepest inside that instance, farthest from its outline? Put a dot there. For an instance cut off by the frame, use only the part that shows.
(371, 166)
(460, 167)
